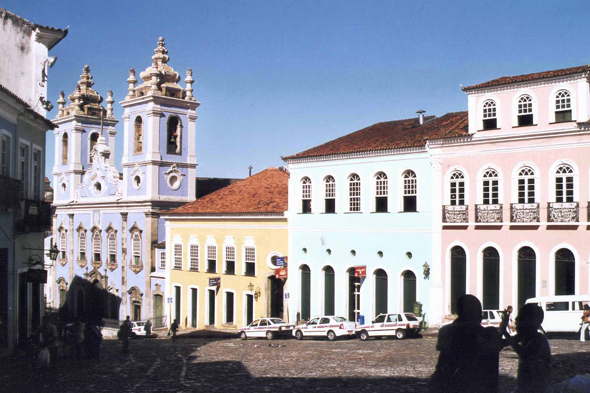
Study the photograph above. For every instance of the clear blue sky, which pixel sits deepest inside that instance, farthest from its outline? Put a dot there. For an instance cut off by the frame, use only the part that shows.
(278, 77)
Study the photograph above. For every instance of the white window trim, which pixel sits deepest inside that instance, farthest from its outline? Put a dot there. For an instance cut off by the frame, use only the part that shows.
(374, 191)
(480, 174)
(552, 172)
(480, 111)
(224, 316)
(189, 302)
(348, 196)
(133, 233)
(514, 111)
(245, 307)
(229, 241)
(400, 188)
(194, 241)
(515, 269)
(211, 242)
(214, 290)
(269, 259)
(99, 232)
(28, 163)
(447, 185)
(551, 103)
(323, 190)
(448, 278)
(173, 311)
(173, 256)
(4, 133)
(479, 271)
(303, 178)
(400, 294)
(249, 242)
(551, 283)
(514, 181)
(160, 259)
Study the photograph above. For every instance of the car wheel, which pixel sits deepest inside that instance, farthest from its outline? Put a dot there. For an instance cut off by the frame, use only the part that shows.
(270, 335)
(243, 336)
(331, 336)
(364, 335)
(400, 334)
(299, 335)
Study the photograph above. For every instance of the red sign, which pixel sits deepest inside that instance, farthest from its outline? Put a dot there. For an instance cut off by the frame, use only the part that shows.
(360, 271)
(281, 273)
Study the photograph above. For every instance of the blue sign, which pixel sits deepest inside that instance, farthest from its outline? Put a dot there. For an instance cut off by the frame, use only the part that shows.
(281, 261)
(215, 282)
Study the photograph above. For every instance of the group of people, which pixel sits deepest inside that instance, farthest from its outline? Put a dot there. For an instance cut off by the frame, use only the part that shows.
(469, 353)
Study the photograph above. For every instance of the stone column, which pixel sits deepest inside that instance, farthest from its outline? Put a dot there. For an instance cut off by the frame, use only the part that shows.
(151, 238)
(124, 264)
(71, 246)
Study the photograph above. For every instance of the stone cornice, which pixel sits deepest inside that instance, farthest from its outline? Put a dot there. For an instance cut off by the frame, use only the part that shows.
(352, 155)
(529, 84)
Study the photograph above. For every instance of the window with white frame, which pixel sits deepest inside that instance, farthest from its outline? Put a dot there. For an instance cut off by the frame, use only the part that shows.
(194, 256)
(230, 260)
(354, 193)
(136, 248)
(564, 184)
(457, 189)
(410, 191)
(490, 121)
(306, 195)
(82, 245)
(330, 196)
(525, 111)
(212, 258)
(526, 185)
(490, 187)
(96, 246)
(381, 192)
(112, 246)
(23, 169)
(250, 261)
(563, 106)
(163, 260)
(5, 155)
(63, 245)
(36, 174)
(64, 149)
(177, 256)
(229, 308)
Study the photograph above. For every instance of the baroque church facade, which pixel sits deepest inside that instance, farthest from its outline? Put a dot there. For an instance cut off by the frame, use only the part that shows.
(107, 224)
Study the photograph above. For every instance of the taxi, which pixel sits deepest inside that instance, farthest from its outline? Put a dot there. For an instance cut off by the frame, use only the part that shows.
(399, 325)
(326, 326)
(266, 327)
(489, 318)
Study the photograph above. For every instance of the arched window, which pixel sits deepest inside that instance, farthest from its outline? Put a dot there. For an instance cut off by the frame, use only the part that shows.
(527, 275)
(136, 248)
(381, 192)
(564, 184)
(138, 135)
(329, 291)
(490, 121)
(457, 189)
(409, 288)
(63, 245)
(565, 272)
(64, 149)
(112, 247)
(82, 245)
(491, 279)
(96, 247)
(330, 198)
(491, 188)
(526, 185)
(174, 135)
(305, 292)
(93, 140)
(380, 292)
(525, 111)
(354, 193)
(458, 276)
(410, 191)
(306, 195)
(563, 106)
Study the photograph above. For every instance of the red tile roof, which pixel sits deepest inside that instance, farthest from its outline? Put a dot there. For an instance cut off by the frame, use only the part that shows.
(529, 77)
(392, 135)
(264, 192)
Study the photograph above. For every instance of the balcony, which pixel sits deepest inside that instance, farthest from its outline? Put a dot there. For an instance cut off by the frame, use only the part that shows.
(563, 212)
(524, 212)
(491, 214)
(36, 217)
(455, 214)
(11, 193)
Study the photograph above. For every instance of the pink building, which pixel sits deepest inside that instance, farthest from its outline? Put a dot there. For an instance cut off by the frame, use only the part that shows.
(515, 192)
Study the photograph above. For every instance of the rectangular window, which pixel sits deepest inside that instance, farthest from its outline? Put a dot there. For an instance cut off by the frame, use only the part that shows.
(82, 246)
(178, 256)
(410, 192)
(112, 246)
(457, 193)
(36, 174)
(62, 245)
(250, 261)
(490, 124)
(490, 192)
(23, 170)
(562, 116)
(564, 189)
(230, 260)
(229, 308)
(212, 259)
(525, 120)
(163, 260)
(306, 206)
(330, 197)
(526, 190)
(5, 156)
(381, 193)
(194, 256)
(355, 195)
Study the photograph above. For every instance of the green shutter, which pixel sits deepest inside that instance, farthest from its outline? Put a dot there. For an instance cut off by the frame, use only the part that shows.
(409, 291)
(380, 292)
(305, 293)
(329, 291)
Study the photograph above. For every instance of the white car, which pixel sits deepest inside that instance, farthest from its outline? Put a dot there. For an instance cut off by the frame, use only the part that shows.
(326, 326)
(489, 318)
(398, 324)
(266, 327)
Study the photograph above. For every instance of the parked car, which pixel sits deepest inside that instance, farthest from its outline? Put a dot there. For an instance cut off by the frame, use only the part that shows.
(397, 324)
(326, 326)
(266, 327)
(563, 313)
(137, 329)
(489, 318)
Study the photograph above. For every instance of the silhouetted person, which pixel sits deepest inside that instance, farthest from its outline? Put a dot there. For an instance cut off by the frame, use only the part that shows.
(46, 333)
(148, 329)
(173, 329)
(585, 322)
(125, 331)
(505, 324)
(469, 354)
(93, 339)
(534, 366)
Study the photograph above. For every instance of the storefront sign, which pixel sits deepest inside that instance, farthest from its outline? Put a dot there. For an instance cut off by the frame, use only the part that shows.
(360, 271)
(281, 273)
(281, 261)
(215, 282)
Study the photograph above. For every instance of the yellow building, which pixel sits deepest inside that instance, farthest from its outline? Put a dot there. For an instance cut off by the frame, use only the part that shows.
(221, 253)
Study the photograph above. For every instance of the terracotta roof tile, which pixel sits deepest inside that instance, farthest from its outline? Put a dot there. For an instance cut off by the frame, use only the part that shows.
(264, 192)
(529, 77)
(392, 135)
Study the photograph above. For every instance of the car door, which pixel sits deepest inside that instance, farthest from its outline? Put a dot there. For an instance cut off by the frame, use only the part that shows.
(485, 318)
(378, 325)
(323, 326)
(312, 326)
(252, 329)
(262, 327)
(390, 325)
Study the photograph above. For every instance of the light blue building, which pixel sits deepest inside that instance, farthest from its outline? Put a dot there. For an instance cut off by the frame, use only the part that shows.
(364, 201)
(107, 224)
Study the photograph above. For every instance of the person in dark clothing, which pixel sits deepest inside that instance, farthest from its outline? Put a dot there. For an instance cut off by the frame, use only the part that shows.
(174, 329)
(125, 333)
(505, 325)
(469, 354)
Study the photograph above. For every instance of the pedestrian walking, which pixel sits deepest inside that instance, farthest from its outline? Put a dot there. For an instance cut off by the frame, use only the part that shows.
(77, 337)
(585, 322)
(173, 329)
(93, 340)
(46, 333)
(148, 329)
(125, 332)
(506, 324)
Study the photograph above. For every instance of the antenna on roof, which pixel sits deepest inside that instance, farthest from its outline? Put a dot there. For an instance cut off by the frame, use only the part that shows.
(250, 170)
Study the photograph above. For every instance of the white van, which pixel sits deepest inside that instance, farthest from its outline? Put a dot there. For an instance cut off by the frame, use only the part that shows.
(563, 313)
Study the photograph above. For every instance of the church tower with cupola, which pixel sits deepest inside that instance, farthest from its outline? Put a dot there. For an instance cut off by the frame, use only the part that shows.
(159, 160)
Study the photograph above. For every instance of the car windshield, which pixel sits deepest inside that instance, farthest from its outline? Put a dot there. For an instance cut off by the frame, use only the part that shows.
(140, 323)
(340, 319)
(411, 317)
(276, 320)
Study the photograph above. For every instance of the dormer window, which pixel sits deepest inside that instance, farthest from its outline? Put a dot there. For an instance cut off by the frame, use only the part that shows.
(563, 106)
(490, 121)
(525, 111)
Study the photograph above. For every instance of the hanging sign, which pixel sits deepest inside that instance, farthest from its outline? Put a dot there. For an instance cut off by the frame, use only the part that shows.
(281, 261)
(281, 273)
(215, 282)
(360, 271)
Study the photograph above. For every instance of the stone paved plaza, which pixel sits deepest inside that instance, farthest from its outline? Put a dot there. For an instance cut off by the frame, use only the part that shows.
(209, 364)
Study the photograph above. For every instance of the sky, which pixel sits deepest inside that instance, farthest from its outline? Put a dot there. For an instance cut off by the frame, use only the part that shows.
(278, 77)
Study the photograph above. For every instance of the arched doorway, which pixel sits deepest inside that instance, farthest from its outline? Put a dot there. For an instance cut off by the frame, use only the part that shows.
(354, 301)
(491, 279)
(458, 276)
(527, 275)
(329, 288)
(409, 288)
(305, 292)
(380, 292)
(565, 272)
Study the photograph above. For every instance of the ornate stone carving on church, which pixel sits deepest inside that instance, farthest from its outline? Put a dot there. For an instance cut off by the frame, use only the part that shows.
(174, 177)
(84, 100)
(102, 179)
(135, 295)
(82, 254)
(136, 176)
(158, 290)
(136, 263)
(488, 213)
(524, 212)
(111, 257)
(455, 214)
(562, 212)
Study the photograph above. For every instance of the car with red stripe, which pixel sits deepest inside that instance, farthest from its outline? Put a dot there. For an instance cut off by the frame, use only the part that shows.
(489, 318)
(398, 325)
(270, 328)
(326, 326)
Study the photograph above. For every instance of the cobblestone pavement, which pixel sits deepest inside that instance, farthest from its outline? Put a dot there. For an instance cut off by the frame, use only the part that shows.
(208, 364)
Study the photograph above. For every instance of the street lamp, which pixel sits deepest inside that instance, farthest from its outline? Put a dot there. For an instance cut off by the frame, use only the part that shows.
(251, 289)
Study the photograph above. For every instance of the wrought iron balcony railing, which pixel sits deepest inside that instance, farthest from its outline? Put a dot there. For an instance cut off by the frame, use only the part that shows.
(11, 193)
(455, 214)
(488, 213)
(524, 212)
(563, 212)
